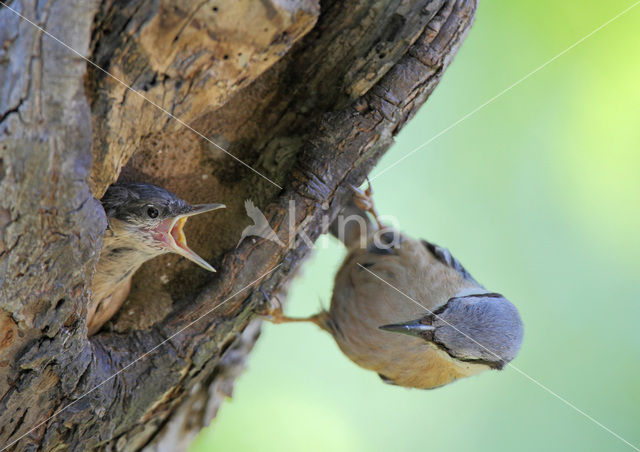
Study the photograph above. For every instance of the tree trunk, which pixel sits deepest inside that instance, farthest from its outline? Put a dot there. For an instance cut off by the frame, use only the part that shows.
(303, 97)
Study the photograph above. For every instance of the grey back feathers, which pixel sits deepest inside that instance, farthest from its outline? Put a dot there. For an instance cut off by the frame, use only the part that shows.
(483, 327)
(136, 202)
(444, 256)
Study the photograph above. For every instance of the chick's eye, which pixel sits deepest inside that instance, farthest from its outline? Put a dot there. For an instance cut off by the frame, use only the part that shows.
(152, 212)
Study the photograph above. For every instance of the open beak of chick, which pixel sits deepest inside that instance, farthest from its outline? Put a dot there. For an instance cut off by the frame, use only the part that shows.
(170, 232)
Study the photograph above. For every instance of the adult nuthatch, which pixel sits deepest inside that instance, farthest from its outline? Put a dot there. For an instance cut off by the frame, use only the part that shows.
(144, 221)
(408, 310)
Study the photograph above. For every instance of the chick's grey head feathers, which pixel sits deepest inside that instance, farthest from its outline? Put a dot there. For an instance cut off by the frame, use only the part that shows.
(150, 219)
(140, 203)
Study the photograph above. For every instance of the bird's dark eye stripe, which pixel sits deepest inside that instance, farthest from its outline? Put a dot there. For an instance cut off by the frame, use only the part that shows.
(120, 250)
(152, 212)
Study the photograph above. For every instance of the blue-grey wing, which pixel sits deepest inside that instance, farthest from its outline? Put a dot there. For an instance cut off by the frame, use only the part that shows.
(444, 256)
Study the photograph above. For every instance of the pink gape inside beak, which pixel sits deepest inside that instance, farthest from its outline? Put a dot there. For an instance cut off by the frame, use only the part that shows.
(170, 232)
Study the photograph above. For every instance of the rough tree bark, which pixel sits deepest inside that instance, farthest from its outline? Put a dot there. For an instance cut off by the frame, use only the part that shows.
(310, 95)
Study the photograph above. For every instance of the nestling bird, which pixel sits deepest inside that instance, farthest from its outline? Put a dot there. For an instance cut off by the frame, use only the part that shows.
(144, 221)
(408, 310)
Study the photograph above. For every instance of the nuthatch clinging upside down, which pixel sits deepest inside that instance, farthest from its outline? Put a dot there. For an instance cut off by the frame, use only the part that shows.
(408, 310)
(144, 221)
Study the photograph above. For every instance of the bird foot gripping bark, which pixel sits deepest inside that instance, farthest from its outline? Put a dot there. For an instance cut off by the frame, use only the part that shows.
(273, 313)
(363, 199)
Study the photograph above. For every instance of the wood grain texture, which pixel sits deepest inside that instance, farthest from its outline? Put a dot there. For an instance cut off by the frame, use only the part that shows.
(185, 57)
(316, 115)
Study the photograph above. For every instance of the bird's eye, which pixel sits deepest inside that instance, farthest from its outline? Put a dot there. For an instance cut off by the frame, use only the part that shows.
(152, 212)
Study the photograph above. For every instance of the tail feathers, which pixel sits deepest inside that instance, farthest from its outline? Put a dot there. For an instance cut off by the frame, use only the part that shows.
(324, 320)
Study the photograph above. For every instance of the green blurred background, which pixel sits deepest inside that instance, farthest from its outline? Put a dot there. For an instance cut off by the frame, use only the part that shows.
(537, 194)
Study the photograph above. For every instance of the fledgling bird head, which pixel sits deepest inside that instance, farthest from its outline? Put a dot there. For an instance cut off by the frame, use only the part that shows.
(152, 218)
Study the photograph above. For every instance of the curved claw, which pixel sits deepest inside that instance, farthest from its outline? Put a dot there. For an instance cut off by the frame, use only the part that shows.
(363, 199)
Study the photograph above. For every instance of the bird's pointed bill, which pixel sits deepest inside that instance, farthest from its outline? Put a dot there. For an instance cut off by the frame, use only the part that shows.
(176, 239)
(202, 208)
(411, 328)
